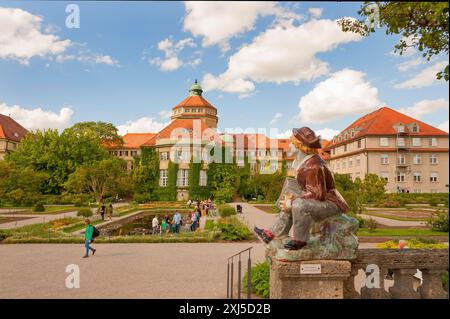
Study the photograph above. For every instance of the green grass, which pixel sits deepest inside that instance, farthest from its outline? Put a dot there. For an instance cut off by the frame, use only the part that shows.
(400, 232)
(410, 219)
(209, 224)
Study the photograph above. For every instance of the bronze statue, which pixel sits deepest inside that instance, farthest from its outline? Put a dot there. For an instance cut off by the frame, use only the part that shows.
(309, 198)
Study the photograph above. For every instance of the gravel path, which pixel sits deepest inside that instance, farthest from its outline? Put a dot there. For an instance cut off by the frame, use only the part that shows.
(393, 222)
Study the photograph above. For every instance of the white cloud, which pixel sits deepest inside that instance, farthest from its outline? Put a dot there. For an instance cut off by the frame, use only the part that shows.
(286, 134)
(276, 118)
(21, 37)
(410, 64)
(315, 12)
(33, 119)
(87, 57)
(443, 126)
(424, 107)
(280, 54)
(219, 21)
(171, 61)
(141, 125)
(327, 133)
(343, 93)
(165, 114)
(410, 49)
(426, 77)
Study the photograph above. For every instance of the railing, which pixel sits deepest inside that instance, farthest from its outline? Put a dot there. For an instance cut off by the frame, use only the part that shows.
(401, 267)
(230, 274)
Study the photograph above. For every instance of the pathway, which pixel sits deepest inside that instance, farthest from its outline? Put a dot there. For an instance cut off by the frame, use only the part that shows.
(394, 223)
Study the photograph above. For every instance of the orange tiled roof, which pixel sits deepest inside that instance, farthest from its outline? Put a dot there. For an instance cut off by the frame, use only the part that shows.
(133, 140)
(255, 141)
(382, 122)
(194, 100)
(10, 129)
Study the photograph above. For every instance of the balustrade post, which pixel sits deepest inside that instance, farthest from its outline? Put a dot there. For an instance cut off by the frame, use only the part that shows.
(349, 285)
(403, 284)
(432, 287)
(376, 292)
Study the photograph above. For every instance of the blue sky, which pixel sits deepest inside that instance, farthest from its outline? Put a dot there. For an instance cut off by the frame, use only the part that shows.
(262, 65)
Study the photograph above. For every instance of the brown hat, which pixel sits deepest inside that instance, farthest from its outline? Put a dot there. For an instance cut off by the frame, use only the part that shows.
(307, 137)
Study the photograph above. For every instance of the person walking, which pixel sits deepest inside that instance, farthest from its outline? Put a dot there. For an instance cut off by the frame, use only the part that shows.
(111, 211)
(163, 226)
(88, 238)
(103, 210)
(177, 222)
(155, 224)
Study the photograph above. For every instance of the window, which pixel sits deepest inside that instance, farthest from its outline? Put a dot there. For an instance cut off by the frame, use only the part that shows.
(384, 141)
(433, 159)
(350, 162)
(417, 159)
(183, 177)
(274, 153)
(338, 165)
(417, 191)
(434, 191)
(401, 159)
(133, 153)
(400, 177)
(384, 159)
(251, 153)
(203, 178)
(345, 148)
(125, 153)
(417, 177)
(433, 177)
(400, 128)
(432, 141)
(253, 166)
(416, 141)
(359, 143)
(400, 141)
(415, 128)
(385, 176)
(262, 153)
(163, 177)
(344, 164)
(164, 156)
(358, 161)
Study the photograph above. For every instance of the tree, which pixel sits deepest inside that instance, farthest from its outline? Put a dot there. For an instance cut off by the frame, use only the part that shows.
(372, 188)
(423, 25)
(101, 179)
(146, 171)
(105, 132)
(223, 178)
(57, 155)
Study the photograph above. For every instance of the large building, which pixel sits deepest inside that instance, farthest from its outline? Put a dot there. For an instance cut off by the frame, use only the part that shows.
(11, 133)
(410, 155)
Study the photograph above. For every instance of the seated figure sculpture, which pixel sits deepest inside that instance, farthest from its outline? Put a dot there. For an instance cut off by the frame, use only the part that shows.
(311, 198)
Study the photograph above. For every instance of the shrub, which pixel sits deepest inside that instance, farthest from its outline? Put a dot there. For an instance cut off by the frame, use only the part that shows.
(226, 210)
(39, 208)
(439, 221)
(361, 221)
(209, 224)
(260, 276)
(233, 230)
(371, 224)
(84, 212)
(414, 243)
(142, 198)
(392, 204)
(433, 201)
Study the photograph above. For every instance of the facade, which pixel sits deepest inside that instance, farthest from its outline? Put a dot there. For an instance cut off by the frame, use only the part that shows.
(11, 133)
(410, 155)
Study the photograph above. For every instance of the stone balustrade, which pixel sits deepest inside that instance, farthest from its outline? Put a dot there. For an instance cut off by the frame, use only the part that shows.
(400, 267)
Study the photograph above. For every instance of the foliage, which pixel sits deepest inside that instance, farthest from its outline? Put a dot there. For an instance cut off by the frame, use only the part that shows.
(169, 192)
(392, 204)
(195, 190)
(433, 201)
(371, 224)
(439, 221)
(361, 221)
(268, 186)
(222, 179)
(107, 177)
(422, 25)
(105, 132)
(146, 171)
(260, 279)
(84, 212)
(38, 208)
(233, 230)
(209, 224)
(414, 243)
(226, 210)
(372, 188)
(57, 155)
(351, 191)
(415, 198)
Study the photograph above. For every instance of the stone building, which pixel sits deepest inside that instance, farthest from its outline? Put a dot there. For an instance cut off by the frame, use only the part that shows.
(11, 133)
(410, 155)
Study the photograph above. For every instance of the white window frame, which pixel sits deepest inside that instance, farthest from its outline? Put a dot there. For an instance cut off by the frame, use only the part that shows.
(385, 176)
(433, 141)
(416, 141)
(403, 143)
(163, 177)
(434, 159)
(417, 177)
(417, 159)
(384, 159)
(401, 159)
(434, 177)
(384, 141)
(203, 178)
(401, 177)
(183, 177)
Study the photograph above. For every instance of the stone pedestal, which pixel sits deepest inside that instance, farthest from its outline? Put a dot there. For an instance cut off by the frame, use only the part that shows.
(308, 279)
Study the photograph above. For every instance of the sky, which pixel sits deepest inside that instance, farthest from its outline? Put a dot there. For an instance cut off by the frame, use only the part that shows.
(264, 65)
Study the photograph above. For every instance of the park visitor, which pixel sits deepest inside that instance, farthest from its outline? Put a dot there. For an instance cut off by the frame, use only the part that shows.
(163, 226)
(155, 224)
(111, 210)
(177, 222)
(103, 210)
(194, 222)
(89, 238)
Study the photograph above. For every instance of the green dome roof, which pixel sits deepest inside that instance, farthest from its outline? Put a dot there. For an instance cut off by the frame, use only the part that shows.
(195, 89)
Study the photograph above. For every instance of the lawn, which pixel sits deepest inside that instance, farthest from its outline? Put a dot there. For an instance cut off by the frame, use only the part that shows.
(268, 209)
(400, 232)
(394, 217)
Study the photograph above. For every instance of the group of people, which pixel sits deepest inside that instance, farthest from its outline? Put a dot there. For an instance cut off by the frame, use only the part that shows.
(168, 224)
(103, 211)
(203, 207)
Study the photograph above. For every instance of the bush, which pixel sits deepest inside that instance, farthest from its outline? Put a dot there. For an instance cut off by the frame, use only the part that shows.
(209, 224)
(226, 210)
(361, 221)
(142, 198)
(260, 277)
(439, 221)
(39, 208)
(84, 212)
(371, 224)
(392, 204)
(233, 230)
(433, 201)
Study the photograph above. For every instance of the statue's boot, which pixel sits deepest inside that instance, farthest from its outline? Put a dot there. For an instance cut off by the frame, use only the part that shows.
(295, 244)
(263, 234)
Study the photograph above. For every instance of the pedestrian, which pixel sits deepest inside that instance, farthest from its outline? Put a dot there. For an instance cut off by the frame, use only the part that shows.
(163, 226)
(194, 221)
(111, 211)
(189, 203)
(103, 210)
(155, 224)
(177, 222)
(89, 238)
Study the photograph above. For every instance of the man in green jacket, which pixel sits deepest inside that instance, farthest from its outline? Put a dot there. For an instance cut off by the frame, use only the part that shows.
(88, 238)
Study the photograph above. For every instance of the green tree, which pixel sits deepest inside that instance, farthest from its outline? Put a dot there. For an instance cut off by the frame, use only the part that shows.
(223, 178)
(146, 171)
(372, 188)
(105, 132)
(101, 179)
(423, 25)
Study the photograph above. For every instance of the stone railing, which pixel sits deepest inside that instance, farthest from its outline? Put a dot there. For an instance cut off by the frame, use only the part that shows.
(397, 274)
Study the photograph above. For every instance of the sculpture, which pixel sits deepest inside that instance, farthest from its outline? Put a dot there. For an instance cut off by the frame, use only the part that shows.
(313, 207)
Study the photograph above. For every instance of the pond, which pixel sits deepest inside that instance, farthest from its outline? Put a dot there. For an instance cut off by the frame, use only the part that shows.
(143, 225)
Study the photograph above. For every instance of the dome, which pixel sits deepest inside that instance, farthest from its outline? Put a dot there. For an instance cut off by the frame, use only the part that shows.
(195, 89)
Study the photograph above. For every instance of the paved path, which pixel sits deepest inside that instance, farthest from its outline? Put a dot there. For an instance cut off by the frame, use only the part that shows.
(180, 270)
(253, 216)
(393, 222)
(34, 220)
